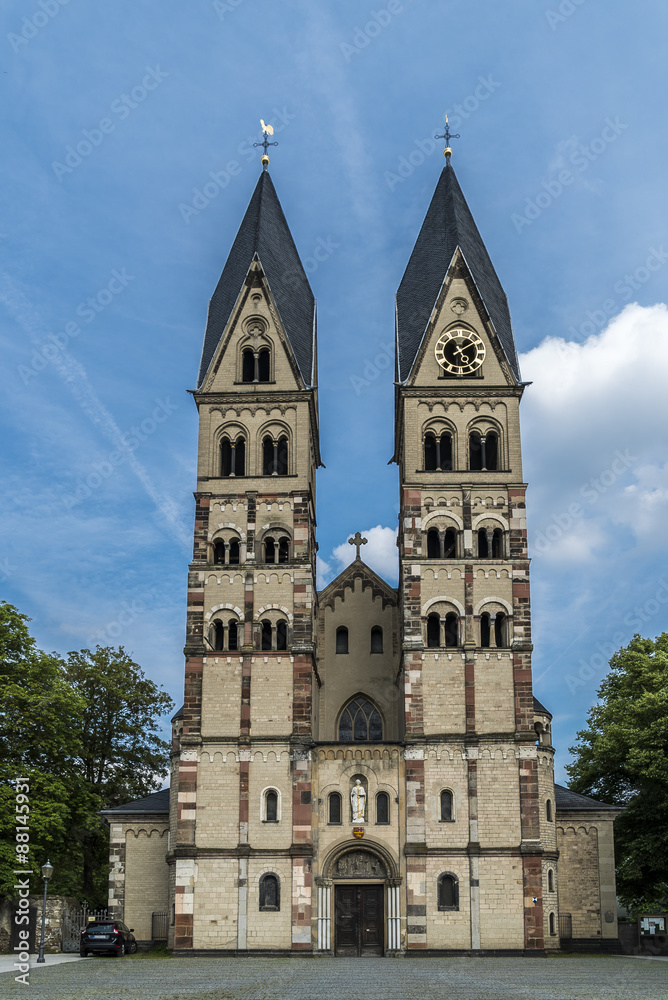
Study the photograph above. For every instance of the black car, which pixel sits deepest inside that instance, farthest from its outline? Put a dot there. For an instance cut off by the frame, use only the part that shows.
(111, 936)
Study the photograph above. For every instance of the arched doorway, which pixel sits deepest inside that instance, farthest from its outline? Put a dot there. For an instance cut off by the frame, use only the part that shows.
(358, 903)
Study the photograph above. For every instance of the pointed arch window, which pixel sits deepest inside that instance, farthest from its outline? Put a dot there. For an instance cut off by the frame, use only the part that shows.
(360, 722)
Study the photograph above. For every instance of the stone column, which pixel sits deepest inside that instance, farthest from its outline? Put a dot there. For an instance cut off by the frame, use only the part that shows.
(324, 913)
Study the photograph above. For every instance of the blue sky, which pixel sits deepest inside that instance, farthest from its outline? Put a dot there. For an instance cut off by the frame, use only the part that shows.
(107, 271)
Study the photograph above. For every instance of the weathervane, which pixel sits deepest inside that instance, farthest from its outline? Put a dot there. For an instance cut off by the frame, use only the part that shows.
(267, 130)
(447, 135)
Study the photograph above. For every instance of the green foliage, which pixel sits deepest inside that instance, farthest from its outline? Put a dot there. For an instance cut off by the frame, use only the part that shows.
(84, 733)
(622, 758)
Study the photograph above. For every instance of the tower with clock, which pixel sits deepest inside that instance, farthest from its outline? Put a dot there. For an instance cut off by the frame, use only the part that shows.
(362, 769)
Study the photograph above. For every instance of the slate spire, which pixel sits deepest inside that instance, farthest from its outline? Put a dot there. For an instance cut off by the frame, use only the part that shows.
(448, 225)
(264, 235)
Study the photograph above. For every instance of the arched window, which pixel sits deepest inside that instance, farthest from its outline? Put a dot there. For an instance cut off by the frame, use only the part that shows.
(282, 457)
(248, 366)
(335, 809)
(483, 451)
(491, 450)
(376, 639)
(270, 892)
(448, 892)
(216, 634)
(269, 550)
(437, 452)
(234, 552)
(233, 635)
(451, 629)
(475, 451)
(284, 550)
(268, 467)
(263, 366)
(233, 457)
(450, 544)
(271, 806)
(382, 808)
(497, 544)
(275, 456)
(553, 926)
(433, 631)
(548, 810)
(483, 545)
(447, 814)
(499, 630)
(550, 880)
(360, 722)
(281, 634)
(266, 634)
(342, 639)
(484, 630)
(219, 552)
(433, 544)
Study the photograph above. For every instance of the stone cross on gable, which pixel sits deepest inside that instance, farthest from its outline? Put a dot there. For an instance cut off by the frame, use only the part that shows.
(357, 541)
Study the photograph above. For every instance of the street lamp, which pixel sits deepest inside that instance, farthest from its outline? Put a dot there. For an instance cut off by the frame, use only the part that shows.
(47, 872)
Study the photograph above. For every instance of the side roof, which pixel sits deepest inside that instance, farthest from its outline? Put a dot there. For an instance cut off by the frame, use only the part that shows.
(447, 225)
(264, 235)
(158, 802)
(565, 798)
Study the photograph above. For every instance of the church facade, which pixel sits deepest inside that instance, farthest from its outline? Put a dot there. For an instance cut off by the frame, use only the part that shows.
(362, 770)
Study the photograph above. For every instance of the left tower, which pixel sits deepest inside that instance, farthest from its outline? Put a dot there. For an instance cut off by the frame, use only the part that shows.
(240, 834)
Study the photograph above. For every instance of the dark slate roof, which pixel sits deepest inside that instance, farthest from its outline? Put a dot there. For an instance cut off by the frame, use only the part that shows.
(565, 798)
(179, 714)
(540, 709)
(447, 225)
(264, 234)
(156, 803)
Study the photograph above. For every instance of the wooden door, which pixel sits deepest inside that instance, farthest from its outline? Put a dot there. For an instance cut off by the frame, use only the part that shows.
(358, 923)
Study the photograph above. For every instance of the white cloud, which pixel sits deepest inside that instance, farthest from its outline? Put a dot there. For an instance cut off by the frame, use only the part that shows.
(380, 552)
(594, 437)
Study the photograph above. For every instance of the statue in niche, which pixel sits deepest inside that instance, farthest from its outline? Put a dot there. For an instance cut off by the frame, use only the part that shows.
(358, 801)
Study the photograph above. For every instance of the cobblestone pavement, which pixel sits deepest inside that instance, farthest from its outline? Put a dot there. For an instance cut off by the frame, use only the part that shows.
(564, 978)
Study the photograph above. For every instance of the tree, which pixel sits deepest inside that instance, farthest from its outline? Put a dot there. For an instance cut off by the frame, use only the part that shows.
(622, 758)
(121, 755)
(40, 719)
(85, 734)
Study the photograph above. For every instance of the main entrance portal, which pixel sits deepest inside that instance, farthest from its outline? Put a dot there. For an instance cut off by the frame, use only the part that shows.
(358, 926)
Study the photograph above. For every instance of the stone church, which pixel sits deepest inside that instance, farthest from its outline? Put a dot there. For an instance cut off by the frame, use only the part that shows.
(362, 770)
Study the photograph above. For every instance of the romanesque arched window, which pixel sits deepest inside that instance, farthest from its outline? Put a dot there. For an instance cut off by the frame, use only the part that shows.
(281, 634)
(553, 925)
(451, 629)
(334, 809)
(270, 892)
(264, 365)
(550, 880)
(233, 456)
(382, 808)
(448, 892)
(224, 635)
(446, 810)
(433, 544)
(271, 806)
(433, 631)
(248, 366)
(219, 552)
(485, 631)
(216, 634)
(360, 722)
(275, 456)
(548, 810)
(234, 552)
(437, 452)
(483, 451)
(376, 639)
(266, 634)
(342, 639)
(256, 365)
(233, 635)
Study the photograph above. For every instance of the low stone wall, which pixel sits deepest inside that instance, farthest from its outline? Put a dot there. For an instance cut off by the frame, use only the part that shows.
(55, 905)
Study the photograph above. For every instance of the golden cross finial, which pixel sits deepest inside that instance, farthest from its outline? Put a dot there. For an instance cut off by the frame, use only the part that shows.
(266, 131)
(357, 541)
(447, 135)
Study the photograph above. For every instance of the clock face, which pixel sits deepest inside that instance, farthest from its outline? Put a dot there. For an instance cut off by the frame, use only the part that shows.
(460, 352)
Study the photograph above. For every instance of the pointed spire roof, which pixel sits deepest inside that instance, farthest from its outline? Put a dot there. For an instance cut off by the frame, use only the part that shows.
(264, 235)
(448, 224)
